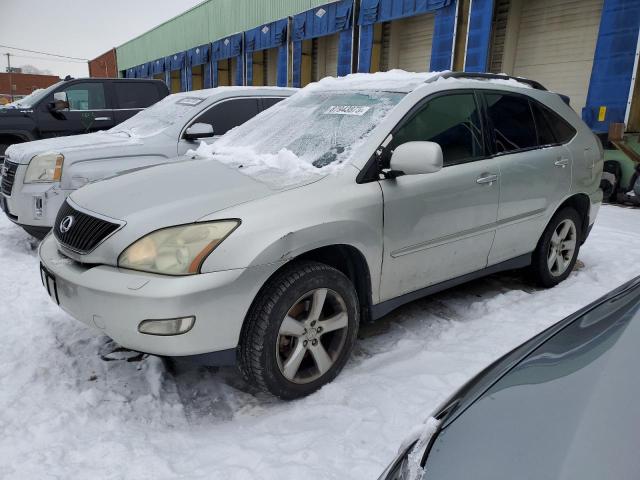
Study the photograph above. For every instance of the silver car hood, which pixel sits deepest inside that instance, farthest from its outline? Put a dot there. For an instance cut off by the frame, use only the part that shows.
(23, 152)
(175, 193)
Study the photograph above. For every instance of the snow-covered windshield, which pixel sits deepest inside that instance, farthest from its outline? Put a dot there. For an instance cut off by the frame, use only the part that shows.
(177, 108)
(34, 97)
(312, 132)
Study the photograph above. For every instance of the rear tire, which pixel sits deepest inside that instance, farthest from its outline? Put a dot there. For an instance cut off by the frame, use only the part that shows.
(558, 248)
(300, 330)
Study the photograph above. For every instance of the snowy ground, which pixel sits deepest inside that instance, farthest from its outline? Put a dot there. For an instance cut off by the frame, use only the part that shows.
(66, 413)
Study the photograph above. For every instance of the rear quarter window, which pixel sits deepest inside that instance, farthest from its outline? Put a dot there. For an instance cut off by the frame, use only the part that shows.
(562, 130)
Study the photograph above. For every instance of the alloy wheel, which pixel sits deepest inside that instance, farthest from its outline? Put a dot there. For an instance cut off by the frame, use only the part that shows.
(562, 247)
(312, 335)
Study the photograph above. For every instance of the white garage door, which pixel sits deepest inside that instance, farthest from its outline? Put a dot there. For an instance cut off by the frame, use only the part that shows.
(556, 44)
(414, 35)
(325, 57)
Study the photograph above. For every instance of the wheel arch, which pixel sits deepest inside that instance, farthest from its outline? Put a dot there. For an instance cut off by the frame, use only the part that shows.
(581, 203)
(343, 257)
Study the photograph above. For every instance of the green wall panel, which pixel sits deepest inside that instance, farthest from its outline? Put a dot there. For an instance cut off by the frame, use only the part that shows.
(206, 22)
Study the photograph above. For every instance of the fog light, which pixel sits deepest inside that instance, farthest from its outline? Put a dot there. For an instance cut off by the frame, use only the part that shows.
(171, 326)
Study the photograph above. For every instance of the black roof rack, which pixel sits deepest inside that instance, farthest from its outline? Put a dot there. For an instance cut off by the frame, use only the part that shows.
(486, 76)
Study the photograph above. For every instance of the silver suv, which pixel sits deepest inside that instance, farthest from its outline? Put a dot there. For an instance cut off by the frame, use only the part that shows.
(341, 203)
(38, 176)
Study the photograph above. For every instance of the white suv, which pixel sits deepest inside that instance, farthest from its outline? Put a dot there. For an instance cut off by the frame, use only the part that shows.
(38, 176)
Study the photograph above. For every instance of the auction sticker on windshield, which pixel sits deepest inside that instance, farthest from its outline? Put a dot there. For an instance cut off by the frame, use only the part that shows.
(358, 110)
(190, 101)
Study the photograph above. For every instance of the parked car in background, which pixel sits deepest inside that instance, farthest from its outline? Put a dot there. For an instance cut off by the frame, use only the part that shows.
(75, 106)
(341, 203)
(38, 176)
(562, 405)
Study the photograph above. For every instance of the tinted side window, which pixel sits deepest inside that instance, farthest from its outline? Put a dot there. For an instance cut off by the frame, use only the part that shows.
(270, 102)
(86, 96)
(545, 133)
(453, 122)
(512, 122)
(229, 114)
(135, 94)
(561, 128)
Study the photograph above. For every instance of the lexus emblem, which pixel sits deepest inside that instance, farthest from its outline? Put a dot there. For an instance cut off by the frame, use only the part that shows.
(66, 224)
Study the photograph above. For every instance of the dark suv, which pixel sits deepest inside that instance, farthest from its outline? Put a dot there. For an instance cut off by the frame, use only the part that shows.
(76, 106)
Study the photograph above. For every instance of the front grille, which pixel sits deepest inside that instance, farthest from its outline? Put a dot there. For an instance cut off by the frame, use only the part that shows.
(85, 232)
(9, 176)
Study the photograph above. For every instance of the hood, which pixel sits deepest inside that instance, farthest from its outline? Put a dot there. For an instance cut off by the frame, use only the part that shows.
(170, 194)
(23, 152)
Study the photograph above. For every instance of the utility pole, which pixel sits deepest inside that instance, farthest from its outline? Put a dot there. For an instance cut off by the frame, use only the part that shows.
(10, 76)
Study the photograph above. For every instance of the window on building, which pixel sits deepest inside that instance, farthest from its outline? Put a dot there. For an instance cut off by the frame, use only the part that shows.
(451, 121)
(86, 96)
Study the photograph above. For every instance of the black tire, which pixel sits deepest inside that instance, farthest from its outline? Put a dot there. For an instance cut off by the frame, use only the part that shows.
(258, 350)
(540, 270)
(37, 232)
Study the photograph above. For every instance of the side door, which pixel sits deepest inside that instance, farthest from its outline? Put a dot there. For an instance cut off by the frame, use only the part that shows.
(535, 172)
(89, 110)
(131, 97)
(222, 116)
(440, 225)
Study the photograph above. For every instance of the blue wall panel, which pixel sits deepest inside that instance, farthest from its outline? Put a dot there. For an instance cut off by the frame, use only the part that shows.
(318, 22)
(226, 48)
(272, 35)
(377, 11)
(479, 36)
(613, 63)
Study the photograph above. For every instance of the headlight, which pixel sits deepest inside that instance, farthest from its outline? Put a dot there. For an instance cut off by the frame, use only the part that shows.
(176, 250)
(45, 168)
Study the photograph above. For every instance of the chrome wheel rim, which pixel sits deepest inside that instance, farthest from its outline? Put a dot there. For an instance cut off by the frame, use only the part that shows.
(312, 335)
(562, 248)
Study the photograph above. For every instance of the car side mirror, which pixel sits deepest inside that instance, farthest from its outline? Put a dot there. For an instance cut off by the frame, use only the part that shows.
(198, 130)
(60, 102)
(416, 158)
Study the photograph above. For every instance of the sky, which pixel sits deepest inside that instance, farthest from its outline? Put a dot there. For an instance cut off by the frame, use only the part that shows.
(76, 28)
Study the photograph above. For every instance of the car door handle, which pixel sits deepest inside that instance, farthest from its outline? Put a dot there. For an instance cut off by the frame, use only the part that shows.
(487, 178)
(561, 162)
(105, 119)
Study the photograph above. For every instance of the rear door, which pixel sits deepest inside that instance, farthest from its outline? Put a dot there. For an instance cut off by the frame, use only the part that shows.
(90, 109)
(222, 116)
(133, 96)
(535, 172)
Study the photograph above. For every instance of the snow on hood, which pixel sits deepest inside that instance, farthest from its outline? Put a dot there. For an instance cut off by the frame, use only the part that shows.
(23, 152)
(314, 132)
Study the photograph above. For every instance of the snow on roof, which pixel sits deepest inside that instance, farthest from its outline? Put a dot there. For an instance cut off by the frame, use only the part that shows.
(393, 80)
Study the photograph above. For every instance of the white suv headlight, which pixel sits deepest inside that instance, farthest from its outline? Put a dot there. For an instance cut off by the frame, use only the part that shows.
(45, 168)
(176, 250)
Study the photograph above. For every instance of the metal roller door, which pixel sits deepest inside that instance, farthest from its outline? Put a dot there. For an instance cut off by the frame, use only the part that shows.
(556, 44)
(414, 36)
(324, 52)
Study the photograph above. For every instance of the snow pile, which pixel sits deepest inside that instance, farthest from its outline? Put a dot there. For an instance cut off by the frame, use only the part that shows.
(67, 413)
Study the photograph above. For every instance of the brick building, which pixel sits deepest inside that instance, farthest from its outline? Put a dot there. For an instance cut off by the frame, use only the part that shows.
(104, 66)
(23, 84)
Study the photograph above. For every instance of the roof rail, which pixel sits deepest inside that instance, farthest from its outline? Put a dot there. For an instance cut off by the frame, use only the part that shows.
(486, 76)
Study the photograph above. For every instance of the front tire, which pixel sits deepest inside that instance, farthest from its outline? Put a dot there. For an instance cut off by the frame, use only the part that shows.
(300, 330)
(557, 251)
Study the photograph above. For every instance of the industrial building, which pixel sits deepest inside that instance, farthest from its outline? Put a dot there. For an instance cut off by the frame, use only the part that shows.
(586, 49)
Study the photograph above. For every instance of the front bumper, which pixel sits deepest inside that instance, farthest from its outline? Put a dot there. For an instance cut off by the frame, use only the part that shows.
(34, 205)
(115, 301)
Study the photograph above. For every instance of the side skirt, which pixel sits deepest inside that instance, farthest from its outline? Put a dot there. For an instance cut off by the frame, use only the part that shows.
(383, 308)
